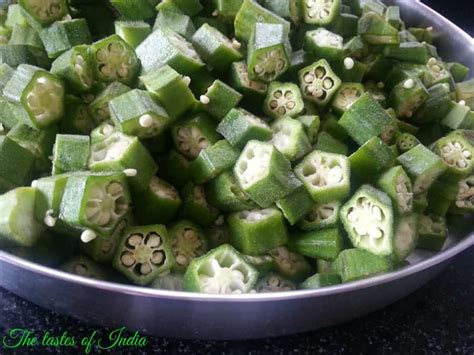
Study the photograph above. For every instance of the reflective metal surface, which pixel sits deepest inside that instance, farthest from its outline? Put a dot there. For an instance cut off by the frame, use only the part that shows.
(187, 315)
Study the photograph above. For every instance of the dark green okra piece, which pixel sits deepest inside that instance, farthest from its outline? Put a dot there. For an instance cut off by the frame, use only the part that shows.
(356, 264)
(432, 232)
(273, 282)
(17, 164)
(283, 99)
(323, 244)
(287, 9)
(321, 280)
(99, 107)
(326, 176)
(240, 126)
(262, 263)
(436, 107)
(347, 94)
(253, 91)
(195, 206)
(175, 167)
(263, 173)
(350, 70)
(188, 242)
(159, 203)
(39, 93)
(290, 138)
(439, 72)
(135, 10)
(371, 159)
(397, 185)
(405, 236)
(144, 253)
(413, 52)
(137, 113)
(84, 267)
(311, 125)
(224, 193)
(442, 195)
(458, 71)
(297, 204)
(71, 153)
(133, 32)
(170, 16)
(164, 46)
(457, 154)
(219, 99)
(464, 202)
(423, 166)
(319, 83)
(422, 34)
(18, 226)
(321, 43)
(321, 216)
(290, 265)
(320, 13)
(375, 30)
(406, 141)
(221, 271)
(459, 117)
(114, 60)
(122, 153)
(168, 86)
(77, 118)
(465, 92)
(44, 13)
(251, 13)
(407, 97)
(329, 144)
(368, 220)
(218, 51)
(256, 232)
(330, 124)
(17, 54)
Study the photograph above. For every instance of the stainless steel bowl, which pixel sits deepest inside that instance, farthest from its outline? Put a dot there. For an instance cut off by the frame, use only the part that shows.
(187, 315)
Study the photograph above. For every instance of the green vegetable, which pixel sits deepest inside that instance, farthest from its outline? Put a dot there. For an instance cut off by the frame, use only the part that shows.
(323, 244)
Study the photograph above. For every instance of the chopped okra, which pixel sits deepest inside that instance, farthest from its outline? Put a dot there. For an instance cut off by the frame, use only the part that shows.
(291, 265)
(290, 138)
(84, 267)
(45, 12)
(321, 12)
(324, 215)
(283, 99)
(272, 282)
(319, 83)
(432, 232)
(195, 206)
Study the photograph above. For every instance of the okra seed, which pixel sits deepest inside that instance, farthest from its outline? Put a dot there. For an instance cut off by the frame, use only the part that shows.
(349, 63)
(145, 269)
(215, 13)
(290, 105)
(158, 257)
(135, 240)
(49, 220)
(320, 72)
(187, 80)
(462, 103)
(146, 121)
(328, 83)
(281, 111)
(409, 84)
(88, 236)
(318, 93)
(204, 100)
(432, 61)
(128, 259)
(273, 104)
(130, 172)
(236, 44)
(309, 78)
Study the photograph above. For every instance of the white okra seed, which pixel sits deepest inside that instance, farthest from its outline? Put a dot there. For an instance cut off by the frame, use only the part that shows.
(146, 121)
(88, 236)
(204, 99)
(462, 103)
(349, 63)
(409, 84)
(236, 44)
(432, 61)
(187, 80)
(215, 13)
(130, 172)
(49, 220)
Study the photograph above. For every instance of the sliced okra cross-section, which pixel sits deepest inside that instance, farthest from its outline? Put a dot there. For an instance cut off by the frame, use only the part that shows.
(218, 51)
(221, 271)
(17, 164)
(256, 232)
(290, 138)
(321, 280)
(321, 43)
(122, 153)
(137, 113)
(423, 166)
(193, 135)
(375, 29)
(188, 241)
(18, 226)
(168, 281)
(114, 60)
(322, 13)
(457, 154)
(371, 159)
(407, 97)
(84, 267)
(273, 282)
(144, 253)
(325, 215)
(94, 204)
(102, 132)
(345, 97)
(291, 265)
(133, 32)
(405, 236)
(432, 231)
(396, 184)
(159, 203)
(319, 83)
(74, 67)
(325, 175)
(465, 197)
(368, 220)
(283, 99)
(439, 72)
(71, 153)
(99, 107)
(406, 141)
(323, 244)
(195, 206)
(269, 52)
(39, 93)
(263, 173)
(219, 99)
(240, 126)
(253, 90)
(45, 12)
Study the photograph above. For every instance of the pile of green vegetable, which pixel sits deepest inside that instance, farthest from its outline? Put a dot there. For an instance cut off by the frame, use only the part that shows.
(228, 146)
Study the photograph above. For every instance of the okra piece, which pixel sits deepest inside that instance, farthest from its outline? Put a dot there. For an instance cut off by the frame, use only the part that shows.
(159, 203)
(321, 43)
(262, 263)
(195, 206)
(330, 125)
(321, 280)
(321, 13)
(329, 144)
(347, 94)
(356, 264)
(29, 37)
(375, 29)
(226, 10)
(272, 282)
(224, 193)
(442, 195)
(164, 46)
(252, 90)
(371, 159)
(406, 141)
(6, 73)
(350, 70)
(74, 67)
(290, 138)
(465, 198)
(61, 36)
(46, 12)
(324, 267)
(263, 173)
(77, 118)
(240, 126)
(16, 162)
(18, 226)
(84, 267)
(321, 216)
(71, 153)
(459, 117)
(144, 253)
(168, 86)
(457, 154)
(221, 271)
(377, 92)
(392, 15)
(122, 153)
(15, 16)
(114, 60)
(422, 34)
(323, 244)
(283, 99)
(405, 237)
(290, 265)
(325, 175)
(188, 242)
(170, 16)
(365, 119)
(407, 97)
(458, 71)
(311, 125)
(137, 113)
(432, 232)
(99, 107)
(133, 32)
(256, 232)
(368, 220)
(175, 167)
(297, 204)
(397, 185)
(436, 107)
(465, 92)
(93, 204)
(103, 131)
(213, 160)
(135, 10)
(251, 13)
(423, 166)
(218, 234)
(413, 52)
(17, 54)
(319, 83)
(189, 7)
(39, 93)
(218, 51)
(193, 135)
(269, 52)
(219, 99)
(168, 281)
(439, 72)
